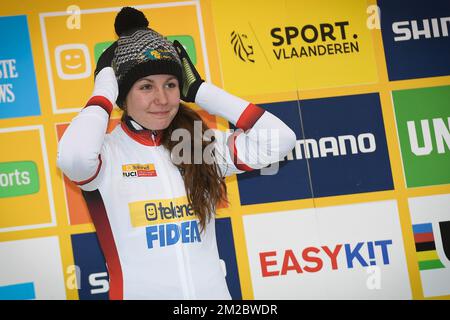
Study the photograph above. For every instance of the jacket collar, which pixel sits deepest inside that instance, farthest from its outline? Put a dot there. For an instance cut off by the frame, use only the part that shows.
(140, 134)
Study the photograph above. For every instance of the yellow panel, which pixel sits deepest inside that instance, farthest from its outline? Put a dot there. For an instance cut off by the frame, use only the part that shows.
(71, 52)
(32, 208)
(266, 46)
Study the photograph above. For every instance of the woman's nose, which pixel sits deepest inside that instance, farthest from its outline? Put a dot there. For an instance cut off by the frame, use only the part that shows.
(161, 96)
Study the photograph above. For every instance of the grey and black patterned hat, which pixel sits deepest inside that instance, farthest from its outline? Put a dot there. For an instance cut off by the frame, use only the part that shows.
(140, 52)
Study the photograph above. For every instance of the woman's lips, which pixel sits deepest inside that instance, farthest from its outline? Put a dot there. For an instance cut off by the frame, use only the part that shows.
(160, 113)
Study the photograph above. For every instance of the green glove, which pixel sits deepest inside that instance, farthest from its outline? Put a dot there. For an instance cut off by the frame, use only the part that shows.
(191, 78)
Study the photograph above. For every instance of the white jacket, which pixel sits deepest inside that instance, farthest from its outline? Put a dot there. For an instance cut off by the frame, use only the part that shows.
(136, 197)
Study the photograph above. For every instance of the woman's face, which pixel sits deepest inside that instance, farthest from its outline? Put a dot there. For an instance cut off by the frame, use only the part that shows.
(153, 101)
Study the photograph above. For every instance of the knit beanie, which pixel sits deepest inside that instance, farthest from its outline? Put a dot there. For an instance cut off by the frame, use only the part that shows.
(140, 52)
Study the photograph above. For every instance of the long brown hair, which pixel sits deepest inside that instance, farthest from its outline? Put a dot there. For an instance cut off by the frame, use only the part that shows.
(205, 187)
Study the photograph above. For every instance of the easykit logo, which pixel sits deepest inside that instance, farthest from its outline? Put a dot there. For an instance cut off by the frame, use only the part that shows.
(343, 150)
(167, 222)
(311, 40)
(18, 90)
(423, 123)
(138, 170)
(18, 178)
(338, 252)
(314, 259)
(416, 38)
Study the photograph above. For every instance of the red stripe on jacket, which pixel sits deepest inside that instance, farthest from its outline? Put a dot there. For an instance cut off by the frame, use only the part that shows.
(97, 210)
(233, 152)
(249, 116)
(246, 121)
(102, 102)
(80, 183)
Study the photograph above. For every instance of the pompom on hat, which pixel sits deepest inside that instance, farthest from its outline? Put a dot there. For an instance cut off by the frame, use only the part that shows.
(140, 52)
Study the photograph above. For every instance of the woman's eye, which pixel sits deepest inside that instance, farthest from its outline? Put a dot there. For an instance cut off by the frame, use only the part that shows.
(172, 85)
(146, 87)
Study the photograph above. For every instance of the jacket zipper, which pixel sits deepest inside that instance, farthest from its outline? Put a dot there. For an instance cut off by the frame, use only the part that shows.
(186, 281)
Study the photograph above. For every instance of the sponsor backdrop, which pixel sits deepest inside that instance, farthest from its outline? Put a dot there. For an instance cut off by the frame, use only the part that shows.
(359, 209)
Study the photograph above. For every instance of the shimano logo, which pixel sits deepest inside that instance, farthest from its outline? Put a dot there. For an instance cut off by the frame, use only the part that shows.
(331, 146)
(425, 29)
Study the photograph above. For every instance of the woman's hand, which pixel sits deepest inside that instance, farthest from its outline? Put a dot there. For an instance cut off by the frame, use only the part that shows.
(105, 59)
(191, 78)
(105, 81)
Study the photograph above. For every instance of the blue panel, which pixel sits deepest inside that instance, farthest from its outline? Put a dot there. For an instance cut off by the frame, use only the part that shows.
(225, 244)
(22, 291)
(90, 260)
(416, 48)
(18, 90)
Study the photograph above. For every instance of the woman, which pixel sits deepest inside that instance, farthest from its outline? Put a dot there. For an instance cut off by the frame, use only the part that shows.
(154, 214)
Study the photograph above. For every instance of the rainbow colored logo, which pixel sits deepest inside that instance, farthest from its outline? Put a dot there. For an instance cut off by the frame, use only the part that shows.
(426, 247)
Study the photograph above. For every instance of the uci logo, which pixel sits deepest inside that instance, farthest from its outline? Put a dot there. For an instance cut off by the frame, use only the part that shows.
(130, 174)
(138, 170)
(241, 48)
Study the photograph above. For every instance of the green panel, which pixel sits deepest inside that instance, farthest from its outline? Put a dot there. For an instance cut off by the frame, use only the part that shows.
(426, 162)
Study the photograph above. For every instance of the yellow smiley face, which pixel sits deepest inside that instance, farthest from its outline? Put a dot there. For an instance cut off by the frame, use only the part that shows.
(151, 211)
(73, 61)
